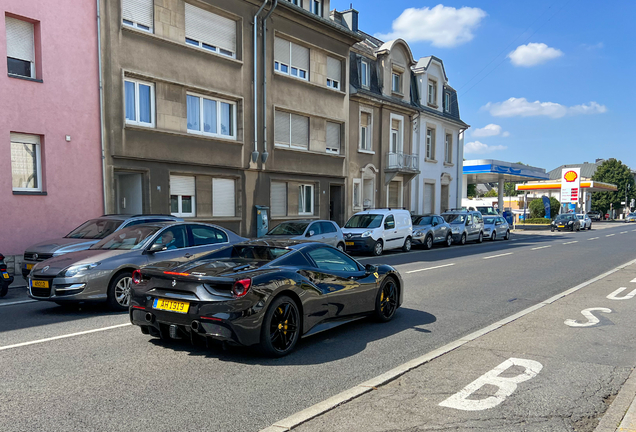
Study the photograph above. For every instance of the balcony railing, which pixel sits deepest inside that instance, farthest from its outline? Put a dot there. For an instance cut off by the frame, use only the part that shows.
(402, 162)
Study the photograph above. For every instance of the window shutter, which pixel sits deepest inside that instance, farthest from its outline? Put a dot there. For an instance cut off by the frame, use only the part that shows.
(429, 196)
(334, 68)
(365, 119)
(182, 185)
(300, 57)
(281, 50)
(139, 11)
(279, 199)
(223, 197)
(19, 39)
(395, 124)
(394, 194)
(210, 28)
(333, 136)
(25, 139)
(299, 130)
(281, 127)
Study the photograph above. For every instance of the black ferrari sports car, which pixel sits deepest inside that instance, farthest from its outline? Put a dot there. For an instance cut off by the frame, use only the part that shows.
(269, 293)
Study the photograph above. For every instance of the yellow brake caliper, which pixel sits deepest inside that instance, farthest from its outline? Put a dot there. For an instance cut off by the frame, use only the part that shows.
(381, 300)
(280, 326)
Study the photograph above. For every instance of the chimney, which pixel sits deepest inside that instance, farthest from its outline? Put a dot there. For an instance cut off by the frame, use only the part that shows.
(351, 19)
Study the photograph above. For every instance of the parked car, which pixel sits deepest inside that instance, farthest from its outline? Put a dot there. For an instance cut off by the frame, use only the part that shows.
(322, 231)
(496, 226)
(595, 215)
(566, 221)
(5, 278)
(465, 225)
(84, 236)
(266, 293)
(631, 217)
(103, 272)
(585, 221)
(378, 230)
(429, 229)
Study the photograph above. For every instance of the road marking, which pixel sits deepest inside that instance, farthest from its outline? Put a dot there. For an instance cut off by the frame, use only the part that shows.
(541, 247)
(609, 235)
(614, 295)
(431, 268)
(17, 302)
(62, 336)
(372, 384)
(575, 241)
(591, 319)
(594, 238)
(623, 232)
(500, 255)
(633, 230)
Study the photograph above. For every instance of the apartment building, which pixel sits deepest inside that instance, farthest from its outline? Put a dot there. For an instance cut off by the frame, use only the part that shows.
(186, 134)
(50, 170)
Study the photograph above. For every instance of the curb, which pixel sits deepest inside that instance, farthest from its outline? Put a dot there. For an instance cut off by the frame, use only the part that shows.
(621, 415)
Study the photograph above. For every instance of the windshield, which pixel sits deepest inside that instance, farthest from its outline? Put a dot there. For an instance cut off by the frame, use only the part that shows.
(422, 220)
(95, 229)
(489, 220)
(455, 218)
(580, 216)
(364, 221)
(487, 210)
(134, 237)
(289, 228)
(564, 217)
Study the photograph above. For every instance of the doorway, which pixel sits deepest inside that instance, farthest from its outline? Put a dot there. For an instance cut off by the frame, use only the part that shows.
(335, 204)
(128, 193)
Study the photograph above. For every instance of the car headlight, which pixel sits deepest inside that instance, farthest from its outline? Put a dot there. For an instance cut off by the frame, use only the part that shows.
(76, 270)
(570, 223)
(456, 230)
(366, 234)
(417, 234)
(487, 230)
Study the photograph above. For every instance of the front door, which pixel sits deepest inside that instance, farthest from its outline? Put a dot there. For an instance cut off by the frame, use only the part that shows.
(392, 238)
(335, 204)
(128, 193)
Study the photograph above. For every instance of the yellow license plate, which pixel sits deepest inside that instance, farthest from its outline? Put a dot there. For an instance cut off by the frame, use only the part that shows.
(561, 226)
(29, 266)
(171, 305)
(40, 284)
(349, 243)
(5, 275)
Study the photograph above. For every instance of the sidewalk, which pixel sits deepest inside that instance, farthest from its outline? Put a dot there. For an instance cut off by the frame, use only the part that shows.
(566, 364)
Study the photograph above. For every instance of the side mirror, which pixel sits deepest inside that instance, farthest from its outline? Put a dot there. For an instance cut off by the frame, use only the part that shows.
(370, 268)
(157, 247)
(434, 223)
(310, 233)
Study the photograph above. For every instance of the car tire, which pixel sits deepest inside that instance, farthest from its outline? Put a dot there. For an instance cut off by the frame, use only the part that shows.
(428, 242)
(590, 228)
(493, 236)
(408, 244)
(275, 341)
(386, 301)
(118, 295)
(4, 289)
(449, 240)
(507, 236)
(378, 248)
(481, 237)
(341, 247)
(551, 229)
(462, 240)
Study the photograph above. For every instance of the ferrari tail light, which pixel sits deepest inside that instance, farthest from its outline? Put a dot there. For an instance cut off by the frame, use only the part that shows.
(241, 287)
(137, 277)
(176, 273)
(1, 257)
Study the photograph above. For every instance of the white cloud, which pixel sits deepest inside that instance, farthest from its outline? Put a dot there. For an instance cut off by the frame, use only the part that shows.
(442, 26)
(506, 134)
(514, 107)
(533, 54)
(591, 47)
(481, 148)
(488, 130)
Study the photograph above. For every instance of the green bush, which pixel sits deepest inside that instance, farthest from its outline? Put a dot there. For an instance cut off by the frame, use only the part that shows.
(537, 221)
(537, 210)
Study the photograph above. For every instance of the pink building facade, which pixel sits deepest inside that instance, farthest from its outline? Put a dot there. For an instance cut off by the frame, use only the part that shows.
(50, 151)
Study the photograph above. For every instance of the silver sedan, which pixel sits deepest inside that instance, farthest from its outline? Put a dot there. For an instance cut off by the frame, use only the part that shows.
(103, 272)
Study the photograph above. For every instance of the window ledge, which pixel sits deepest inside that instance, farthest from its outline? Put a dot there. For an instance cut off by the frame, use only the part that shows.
(396, 93)
(278, 147)
(179, 44)
(36, 193)
(320, 86)
(448, 164)
(184, 134)
(25, 78)
(430, 161)
(432, 105)
(371, 152)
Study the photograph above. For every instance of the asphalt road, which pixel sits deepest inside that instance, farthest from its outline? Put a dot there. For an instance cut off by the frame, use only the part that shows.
(118, 379)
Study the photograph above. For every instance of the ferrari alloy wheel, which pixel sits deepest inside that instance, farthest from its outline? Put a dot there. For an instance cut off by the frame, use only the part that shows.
(119, 291)
(378, 248)
(449, 240)
(386, 302)
(493, 236)
(428, 243)
(281, 327)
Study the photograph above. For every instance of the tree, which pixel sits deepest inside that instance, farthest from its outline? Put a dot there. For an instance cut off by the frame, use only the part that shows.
(537, 209)
(510, 190)
(615, 172)
(471, 190)
(491, 193)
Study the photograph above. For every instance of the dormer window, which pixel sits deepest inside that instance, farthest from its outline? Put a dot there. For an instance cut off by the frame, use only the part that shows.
(446, 101)
(396, 83)
(364, 73)
(432, 92)
(316, 7)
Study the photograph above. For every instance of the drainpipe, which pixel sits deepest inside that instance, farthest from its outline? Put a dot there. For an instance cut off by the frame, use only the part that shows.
(101, 102)
(265, 153)
(255, 81)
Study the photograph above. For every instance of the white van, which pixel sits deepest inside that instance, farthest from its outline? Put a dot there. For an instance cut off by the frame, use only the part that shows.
(378, 229)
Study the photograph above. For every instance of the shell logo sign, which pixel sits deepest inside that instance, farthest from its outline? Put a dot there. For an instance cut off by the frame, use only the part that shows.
(570, 176)
(570, 185)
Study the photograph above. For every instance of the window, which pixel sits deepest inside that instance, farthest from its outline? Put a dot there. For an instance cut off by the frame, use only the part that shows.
(291, 59)
(213, 117)
(357, 186)
(291, 130)
(396, 141)
(278, 199)
(173, 238)
(365, 131)
(446, 101)
(223, 197)
(316, 7)
(296, 2)
(364, 74)
(327, 227)
(396, 84)
(205, 235)
(448, 149)
(389, 222)
(26, 163)
(332, 260)
(333, 138)
(182, 190)
(210, 31)
(20, 47)
(140, 102)
(432, 92)
(334, 71)
(430, 143)
(306, 199)
(138, 14)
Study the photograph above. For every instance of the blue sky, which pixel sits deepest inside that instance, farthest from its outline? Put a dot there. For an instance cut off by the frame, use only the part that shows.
(579, 54)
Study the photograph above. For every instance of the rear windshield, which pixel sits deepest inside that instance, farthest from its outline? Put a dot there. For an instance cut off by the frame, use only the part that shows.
(289, 228)
(364, 221)
(422, 220)
(248, 253)
(131, 238)
(490, 220)
(487, 211)
(454, 218)
(95, 229)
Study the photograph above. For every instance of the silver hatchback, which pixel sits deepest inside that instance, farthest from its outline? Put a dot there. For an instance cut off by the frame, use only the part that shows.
(322, 231)
(429, 229)
(496, 227)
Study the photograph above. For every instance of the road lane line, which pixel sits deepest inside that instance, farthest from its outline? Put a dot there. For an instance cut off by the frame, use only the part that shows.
(623, 232)
(594, 238)
(500, 255)
(609, 235)
(575, 241)
(18, 302)
(320, 408)
(430, 268)
(2, 348)
(541, 247)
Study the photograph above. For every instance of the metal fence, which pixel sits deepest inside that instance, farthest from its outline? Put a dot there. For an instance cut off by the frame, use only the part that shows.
(402, 161)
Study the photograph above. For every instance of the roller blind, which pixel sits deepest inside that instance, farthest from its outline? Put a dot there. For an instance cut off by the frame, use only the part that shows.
(212, 29)
(299, 57)
(299, 131)
(334, 69)
(365, 119)
(281, 50)
(279, 199)
(19, 39)
(138, 11)
(25, 139)
(182, 185)
(429, 197)
(333, 136)
(223, 197)
(281, 127)
(394, 194)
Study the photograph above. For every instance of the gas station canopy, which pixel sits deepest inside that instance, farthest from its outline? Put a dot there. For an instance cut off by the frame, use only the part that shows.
(555, 186)
(493, 171)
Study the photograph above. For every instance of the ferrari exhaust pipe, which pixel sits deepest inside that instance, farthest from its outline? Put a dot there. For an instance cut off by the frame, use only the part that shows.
(196, 326)
(148, 317)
